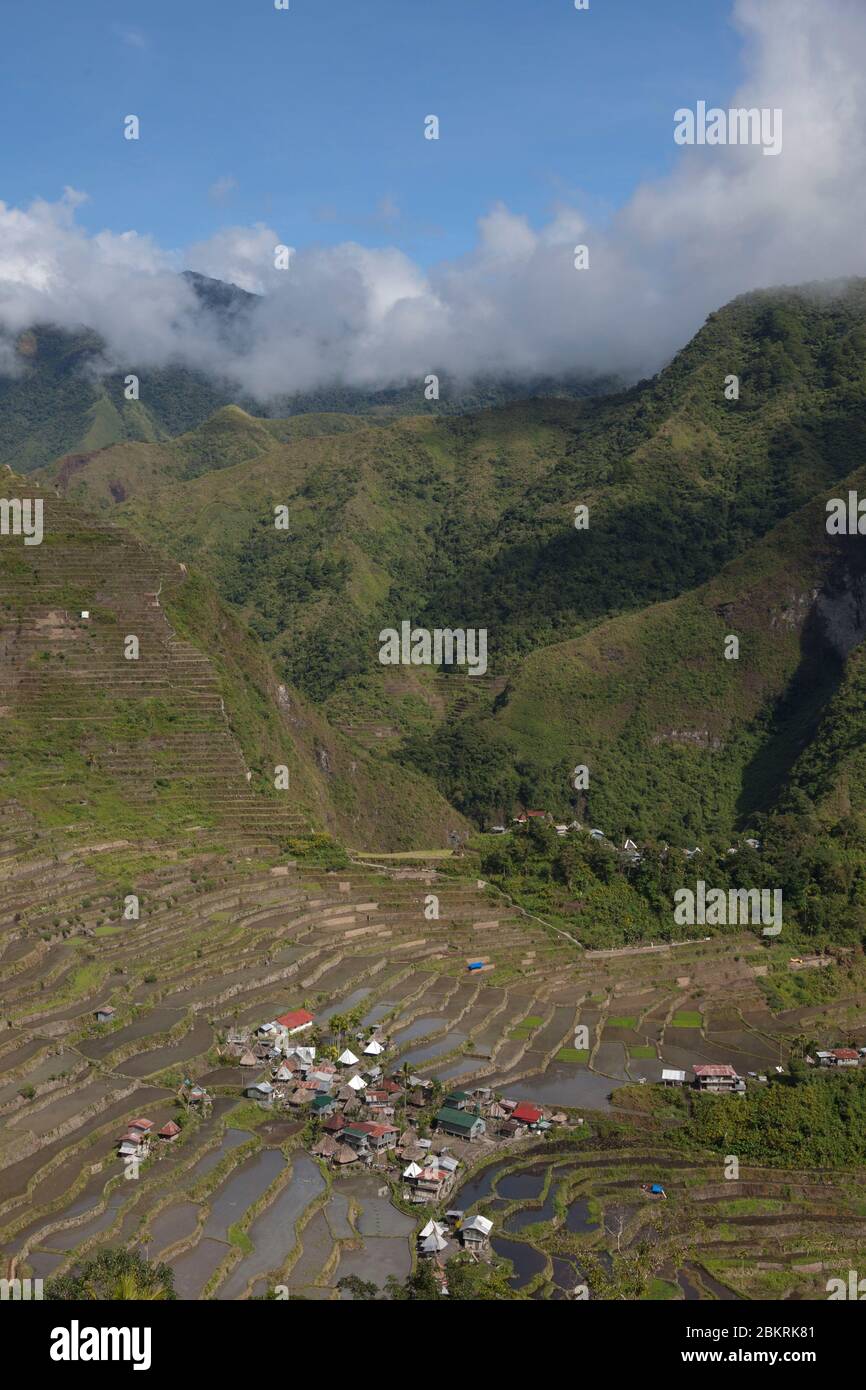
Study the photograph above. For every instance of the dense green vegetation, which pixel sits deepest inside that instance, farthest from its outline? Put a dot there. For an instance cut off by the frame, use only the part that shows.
(589, 887)
(812, 1121)
(113, 1275)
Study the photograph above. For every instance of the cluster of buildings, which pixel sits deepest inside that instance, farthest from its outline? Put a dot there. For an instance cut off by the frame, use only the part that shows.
(141, 1133)
(840, 1057)
(629, 853)
(302, 1080)
(720, 1078)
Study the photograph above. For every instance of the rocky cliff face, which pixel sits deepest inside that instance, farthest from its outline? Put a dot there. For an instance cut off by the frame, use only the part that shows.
(840, 609)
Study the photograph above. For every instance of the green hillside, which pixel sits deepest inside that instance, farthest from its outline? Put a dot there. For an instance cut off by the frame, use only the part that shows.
(182, 737)
(468, 521)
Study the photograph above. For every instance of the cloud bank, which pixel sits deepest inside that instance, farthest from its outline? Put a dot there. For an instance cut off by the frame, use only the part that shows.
(726, 220)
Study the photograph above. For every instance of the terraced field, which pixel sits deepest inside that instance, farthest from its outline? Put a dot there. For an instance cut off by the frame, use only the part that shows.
(231, 937)
(575, 1223)
(150, 875)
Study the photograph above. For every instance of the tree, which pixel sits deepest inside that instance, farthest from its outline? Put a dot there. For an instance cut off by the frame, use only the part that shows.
(114, 1275)
(362, 1290)
(421, 1284)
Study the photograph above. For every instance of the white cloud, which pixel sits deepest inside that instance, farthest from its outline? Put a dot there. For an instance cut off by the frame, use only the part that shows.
(724, 221)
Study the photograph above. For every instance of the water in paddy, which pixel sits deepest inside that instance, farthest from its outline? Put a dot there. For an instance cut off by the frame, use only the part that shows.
(566, 1274)
(242, 1189)
(318, 1245)
(422, 1054)
(525, 1259)
(466, 1066)
(63, 1108)
(691, 1292)
(73, 1236)
(377, 1013)
(718, 1290)
(378, 1217)
(418, 1029)
(193, 1268)
(43, 1263)
(528, 1216)
(232, 1139)
(528, 1182)
(381, 1256)
(273, 1230)
(479, 1186)
(565, 1085)
(52, 1066)
(579, 1220)
(195, 1042)
(337, 1213)
(344, 1006)
(156, 1020)
(173, 1224)
(223, 1076)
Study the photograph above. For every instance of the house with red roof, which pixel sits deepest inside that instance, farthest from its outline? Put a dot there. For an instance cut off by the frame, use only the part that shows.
(526, 1114)
(845, 1056)
(369, 1135)
(288, 1025)
(295, 1021)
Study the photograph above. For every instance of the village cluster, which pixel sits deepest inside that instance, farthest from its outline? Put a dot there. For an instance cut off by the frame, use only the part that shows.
(369, 1117)
(629, 852)
(721, 1078)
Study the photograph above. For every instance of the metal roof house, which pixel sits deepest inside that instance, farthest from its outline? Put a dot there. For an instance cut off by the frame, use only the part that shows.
(717, 1077)
(475, 1233)
(460, 1122)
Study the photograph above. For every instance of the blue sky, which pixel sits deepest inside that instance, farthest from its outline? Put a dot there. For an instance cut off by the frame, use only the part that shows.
(311, 120)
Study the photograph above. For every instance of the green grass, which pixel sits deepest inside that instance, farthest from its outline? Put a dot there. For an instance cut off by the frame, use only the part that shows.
(642, 1050)
(572, 1054)
(525, 1029)
(240, 1239)
(688, 1018)
(661, 1290)
(626, 1021)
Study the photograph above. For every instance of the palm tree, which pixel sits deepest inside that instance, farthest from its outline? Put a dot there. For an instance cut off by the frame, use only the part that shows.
(115, 1274)
(126, 1287)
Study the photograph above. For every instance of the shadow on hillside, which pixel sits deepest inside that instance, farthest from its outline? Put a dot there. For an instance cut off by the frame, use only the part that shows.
(799, 711)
